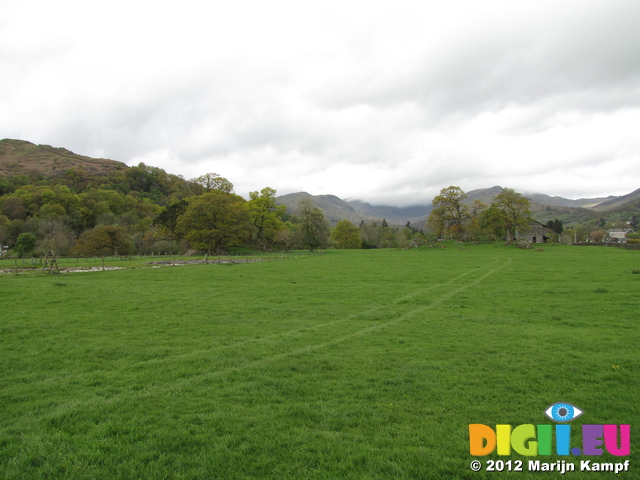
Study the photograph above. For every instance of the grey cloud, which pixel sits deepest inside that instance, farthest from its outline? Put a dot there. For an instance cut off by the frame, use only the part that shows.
(582, 59)
(405, 100)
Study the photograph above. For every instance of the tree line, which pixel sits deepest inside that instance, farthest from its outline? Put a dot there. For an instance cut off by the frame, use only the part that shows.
(145, 210)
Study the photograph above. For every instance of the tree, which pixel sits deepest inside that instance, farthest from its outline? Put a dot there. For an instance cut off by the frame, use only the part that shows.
(25, 244)
(54, 235)
(514, 210)
(371, 234)
(12, 231)
(580, 233)
(52, 210)
(346, 235)
(214, 221)
(213, 181)
(287, 237)
(314, 229)
(103, 240)
(557, 226)
(598, 236)
(266, 216)
(167, 218)
(14, 208)
(474, 227)
(449, 214)
(4, 224)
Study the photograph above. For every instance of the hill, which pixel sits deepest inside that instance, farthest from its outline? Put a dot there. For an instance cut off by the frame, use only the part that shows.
(484, 195)
(19, 157)
(334, 208)
(619, 203)
(565, 202)
(416, 214)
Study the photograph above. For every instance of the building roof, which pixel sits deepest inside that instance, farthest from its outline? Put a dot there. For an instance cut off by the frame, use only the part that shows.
(619, 232)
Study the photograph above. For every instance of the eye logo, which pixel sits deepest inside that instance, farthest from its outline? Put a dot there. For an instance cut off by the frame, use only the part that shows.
(563, 412)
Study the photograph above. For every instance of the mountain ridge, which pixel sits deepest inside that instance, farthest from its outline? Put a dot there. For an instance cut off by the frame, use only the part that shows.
(541, 206)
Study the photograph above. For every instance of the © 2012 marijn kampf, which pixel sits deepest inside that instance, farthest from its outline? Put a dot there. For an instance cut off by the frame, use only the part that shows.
(559, 466)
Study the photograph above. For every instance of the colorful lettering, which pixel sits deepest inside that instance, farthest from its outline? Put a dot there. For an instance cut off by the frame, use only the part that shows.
(531, 440)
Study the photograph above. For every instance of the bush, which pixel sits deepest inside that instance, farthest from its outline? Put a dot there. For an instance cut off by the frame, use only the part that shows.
(25, 244)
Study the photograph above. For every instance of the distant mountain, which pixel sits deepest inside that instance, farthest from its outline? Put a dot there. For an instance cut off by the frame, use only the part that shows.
(484, 195)
(393, 215)
(18, 157)
(565, 202)
(616, 203)
(336, 209)
(542, 207)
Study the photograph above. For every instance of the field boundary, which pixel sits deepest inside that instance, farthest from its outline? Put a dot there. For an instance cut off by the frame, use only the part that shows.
(37, 265)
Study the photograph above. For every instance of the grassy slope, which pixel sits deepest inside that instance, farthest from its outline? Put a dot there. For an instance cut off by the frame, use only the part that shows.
(361, 364)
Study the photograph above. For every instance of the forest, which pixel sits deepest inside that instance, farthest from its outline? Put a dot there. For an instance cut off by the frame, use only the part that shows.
(143, 210)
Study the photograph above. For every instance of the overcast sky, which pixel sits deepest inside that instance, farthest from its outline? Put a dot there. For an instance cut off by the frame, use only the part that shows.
(384, 101)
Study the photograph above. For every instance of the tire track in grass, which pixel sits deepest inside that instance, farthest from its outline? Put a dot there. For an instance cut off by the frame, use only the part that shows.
(206, 352)
(206, 377)
(409, 314)
(266, 338)
(379, 326)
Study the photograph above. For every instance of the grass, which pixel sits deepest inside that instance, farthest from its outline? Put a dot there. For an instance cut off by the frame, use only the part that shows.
(353, 364)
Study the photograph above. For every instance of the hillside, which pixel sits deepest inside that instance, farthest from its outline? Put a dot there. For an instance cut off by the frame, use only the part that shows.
(484, 195)
(619, 203)
(565, 202)
(416, 214)
(334, 208)
(19, 157)
(544, 207)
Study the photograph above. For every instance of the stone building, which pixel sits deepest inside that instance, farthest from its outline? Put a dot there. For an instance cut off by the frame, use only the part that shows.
(536, 233)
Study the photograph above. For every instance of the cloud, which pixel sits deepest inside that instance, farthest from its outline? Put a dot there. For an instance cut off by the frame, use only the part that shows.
(386, 102)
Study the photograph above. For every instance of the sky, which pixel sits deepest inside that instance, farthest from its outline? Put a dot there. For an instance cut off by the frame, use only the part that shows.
(382, 101)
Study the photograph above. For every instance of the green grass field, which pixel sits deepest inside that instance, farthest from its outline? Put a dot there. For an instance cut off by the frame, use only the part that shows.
(349, 365)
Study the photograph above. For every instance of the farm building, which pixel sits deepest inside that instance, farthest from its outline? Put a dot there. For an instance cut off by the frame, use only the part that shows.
(618, 235)
(536, 232)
